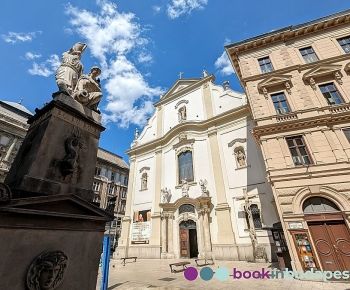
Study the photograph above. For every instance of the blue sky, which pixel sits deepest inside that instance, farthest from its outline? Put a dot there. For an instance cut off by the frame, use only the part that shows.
(141, 45)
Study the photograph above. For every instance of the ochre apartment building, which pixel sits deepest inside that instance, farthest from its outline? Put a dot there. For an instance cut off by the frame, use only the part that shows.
(297, 80)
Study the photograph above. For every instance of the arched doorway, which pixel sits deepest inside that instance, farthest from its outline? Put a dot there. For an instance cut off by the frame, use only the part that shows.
(188, 239)
(329, 233)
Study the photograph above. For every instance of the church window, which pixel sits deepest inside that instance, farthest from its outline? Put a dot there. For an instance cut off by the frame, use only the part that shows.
(185, 164)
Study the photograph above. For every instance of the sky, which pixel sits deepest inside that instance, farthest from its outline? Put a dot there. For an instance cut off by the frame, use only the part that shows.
(141, 46)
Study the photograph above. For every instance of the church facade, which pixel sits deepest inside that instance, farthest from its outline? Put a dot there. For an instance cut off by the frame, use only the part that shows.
(197, 180)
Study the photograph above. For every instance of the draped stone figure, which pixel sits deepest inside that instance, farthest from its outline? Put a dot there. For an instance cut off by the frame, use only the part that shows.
(71, 68)
(88, 90)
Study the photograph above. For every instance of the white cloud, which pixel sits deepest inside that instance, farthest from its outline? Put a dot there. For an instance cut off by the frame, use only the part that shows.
(113, 36)
(13, 37)
(223, 65)
(179, 7)
(156, 9)
(30, 55)
(45, 68)
(145, 58)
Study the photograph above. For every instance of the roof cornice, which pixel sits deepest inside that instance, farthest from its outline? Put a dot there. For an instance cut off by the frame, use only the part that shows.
(285, 34)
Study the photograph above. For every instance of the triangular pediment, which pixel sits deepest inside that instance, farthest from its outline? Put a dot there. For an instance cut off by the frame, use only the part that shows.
(274, 80)
(69, 206)
(322, 70)
(179, 85)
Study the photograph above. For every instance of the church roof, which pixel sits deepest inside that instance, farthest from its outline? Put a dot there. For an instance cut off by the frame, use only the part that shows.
(18, 107)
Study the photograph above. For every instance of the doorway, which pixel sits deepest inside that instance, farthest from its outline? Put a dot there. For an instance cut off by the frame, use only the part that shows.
(188, 239)
(329, 232)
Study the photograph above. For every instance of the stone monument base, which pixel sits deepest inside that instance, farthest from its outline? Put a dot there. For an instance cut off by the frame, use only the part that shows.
(32, 232)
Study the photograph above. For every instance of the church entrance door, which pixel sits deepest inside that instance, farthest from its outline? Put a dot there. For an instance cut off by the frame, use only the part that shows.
(188, 239)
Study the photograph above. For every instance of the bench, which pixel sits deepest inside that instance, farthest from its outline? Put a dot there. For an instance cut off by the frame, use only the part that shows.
(127, 258)
(183, 264)
(207, 261)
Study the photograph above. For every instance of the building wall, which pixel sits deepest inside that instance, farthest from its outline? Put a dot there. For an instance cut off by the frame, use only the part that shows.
(229, 126)
(320, 124)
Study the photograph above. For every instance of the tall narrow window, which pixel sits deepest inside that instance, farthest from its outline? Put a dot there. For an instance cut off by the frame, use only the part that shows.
(265, 64)
(280, 103)
(330, 92)
(308, 54)
(185, 166)
(298, 150)
(345, 43)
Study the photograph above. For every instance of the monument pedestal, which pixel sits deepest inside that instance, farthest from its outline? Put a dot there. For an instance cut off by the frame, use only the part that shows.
(50, 232)
(58, 155)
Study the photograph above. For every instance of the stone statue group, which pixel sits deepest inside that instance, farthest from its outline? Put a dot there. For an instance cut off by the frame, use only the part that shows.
(86, 89)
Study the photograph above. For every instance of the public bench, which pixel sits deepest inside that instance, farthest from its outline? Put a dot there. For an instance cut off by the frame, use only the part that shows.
(207, 261)
(127, 258)
(179, 264)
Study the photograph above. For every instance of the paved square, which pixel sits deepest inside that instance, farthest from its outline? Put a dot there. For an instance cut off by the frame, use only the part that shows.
(155, 274)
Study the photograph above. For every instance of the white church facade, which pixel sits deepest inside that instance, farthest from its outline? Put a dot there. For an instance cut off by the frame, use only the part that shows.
(197, 185)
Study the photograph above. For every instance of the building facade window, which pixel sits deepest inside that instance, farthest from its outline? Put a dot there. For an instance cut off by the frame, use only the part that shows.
(298, 150)
(308, 54)
(331, 94)
(98, 171)
(256, 216)
(345, 43)
(96, 186)
(265, 64)
(347, 134)
(280, 103)
(144, 179)
(185, 163)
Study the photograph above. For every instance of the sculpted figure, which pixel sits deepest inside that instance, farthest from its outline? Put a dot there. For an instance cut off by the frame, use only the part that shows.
(182, 114)
(71, 68)
(166, 193)
(203, 184)
(47, 270)
(184, 187)
(241, 159)
(88, 89)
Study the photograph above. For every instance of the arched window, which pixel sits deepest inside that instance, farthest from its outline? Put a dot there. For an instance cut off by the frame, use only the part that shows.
(318, 205)
(144, 178)
(186, 208)
(185, 166)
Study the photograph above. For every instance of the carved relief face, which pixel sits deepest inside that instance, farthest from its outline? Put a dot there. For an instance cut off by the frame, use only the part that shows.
(48, 276)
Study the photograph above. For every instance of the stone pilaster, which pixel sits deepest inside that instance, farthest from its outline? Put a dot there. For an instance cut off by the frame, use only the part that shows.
(124, 240)
(225, 230)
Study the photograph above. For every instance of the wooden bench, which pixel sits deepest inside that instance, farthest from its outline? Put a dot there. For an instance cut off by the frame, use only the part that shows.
(183, 264)
(207, 261)
(127, 258)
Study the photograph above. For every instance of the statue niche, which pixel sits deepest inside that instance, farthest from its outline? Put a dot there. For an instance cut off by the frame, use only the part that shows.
(240, 157)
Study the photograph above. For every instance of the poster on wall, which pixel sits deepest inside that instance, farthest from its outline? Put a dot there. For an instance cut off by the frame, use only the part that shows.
(141, 232)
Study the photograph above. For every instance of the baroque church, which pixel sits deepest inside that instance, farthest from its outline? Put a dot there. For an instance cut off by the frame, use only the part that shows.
(197, 185)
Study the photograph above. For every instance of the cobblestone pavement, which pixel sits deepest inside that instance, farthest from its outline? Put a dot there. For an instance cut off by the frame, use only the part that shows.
(155, 274)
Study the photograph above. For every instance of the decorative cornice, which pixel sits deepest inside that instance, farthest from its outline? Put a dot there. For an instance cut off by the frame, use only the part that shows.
(283, 35)
(337, 114)
(200, 126)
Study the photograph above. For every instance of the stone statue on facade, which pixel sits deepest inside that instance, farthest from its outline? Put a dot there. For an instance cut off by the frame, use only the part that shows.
(71, 68)
(166, 195)
(203, 184)
(240, 157)
(182, 114)
(88, 89)
(184, 188)
(47, 270)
